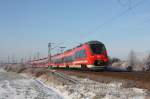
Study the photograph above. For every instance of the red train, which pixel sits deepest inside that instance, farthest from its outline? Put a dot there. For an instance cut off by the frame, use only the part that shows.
(43, 62)
(92, 54)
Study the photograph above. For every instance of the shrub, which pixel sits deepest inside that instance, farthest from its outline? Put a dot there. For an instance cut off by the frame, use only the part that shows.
(40, 71)
(147, 64)
(114, 60)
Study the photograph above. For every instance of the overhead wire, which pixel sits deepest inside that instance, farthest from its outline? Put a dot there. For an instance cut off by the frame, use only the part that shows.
(125, 3)
(119, 15)
(115, 18)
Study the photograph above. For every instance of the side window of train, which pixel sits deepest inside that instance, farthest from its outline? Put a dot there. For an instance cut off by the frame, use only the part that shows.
(84, 53)
(68, 59)
(65, 59)
(80, 54)
(76, 55)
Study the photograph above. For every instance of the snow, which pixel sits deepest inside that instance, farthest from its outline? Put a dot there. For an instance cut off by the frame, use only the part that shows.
(88, 89)
(53, 88)
(24, 87)
(14, 86)
(10, 91)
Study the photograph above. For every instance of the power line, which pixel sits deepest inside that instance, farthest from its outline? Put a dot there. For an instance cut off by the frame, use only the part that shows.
(125, 3)
(119, 15)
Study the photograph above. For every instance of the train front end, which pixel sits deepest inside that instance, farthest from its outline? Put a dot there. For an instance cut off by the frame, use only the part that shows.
(98, 55)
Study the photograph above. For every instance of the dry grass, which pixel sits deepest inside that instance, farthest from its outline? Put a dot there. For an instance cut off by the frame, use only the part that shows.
(133, 79)
(40, 71)
(130, 79)
(15, 68)
(21, 68)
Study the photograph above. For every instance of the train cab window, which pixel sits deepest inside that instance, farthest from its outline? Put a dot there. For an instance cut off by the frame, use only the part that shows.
(97, 48)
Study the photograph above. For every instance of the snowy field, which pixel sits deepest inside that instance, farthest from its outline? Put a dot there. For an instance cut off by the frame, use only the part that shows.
(20, 86)
(14, 86)
(89, 89)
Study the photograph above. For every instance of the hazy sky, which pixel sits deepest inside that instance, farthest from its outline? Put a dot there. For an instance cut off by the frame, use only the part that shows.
(26, 26)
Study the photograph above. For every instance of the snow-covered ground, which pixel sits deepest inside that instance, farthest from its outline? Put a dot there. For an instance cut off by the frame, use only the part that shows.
(89, 89)
(20, 86)
(14, 86)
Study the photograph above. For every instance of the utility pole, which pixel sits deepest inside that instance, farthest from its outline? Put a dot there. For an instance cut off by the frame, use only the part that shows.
(50, 49)
(21, 61)
(8, 59)
(49, 52)
(62, 49)
(30, 58)
(38, 55)
(13, 58)
(25, 59)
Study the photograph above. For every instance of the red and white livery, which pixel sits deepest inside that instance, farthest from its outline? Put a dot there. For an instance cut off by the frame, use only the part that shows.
(43, 62)
(91, 54)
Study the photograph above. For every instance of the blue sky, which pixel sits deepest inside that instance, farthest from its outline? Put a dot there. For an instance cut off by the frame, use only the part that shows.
(26, 26)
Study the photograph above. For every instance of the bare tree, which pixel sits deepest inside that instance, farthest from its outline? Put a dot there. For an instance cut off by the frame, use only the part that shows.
(38, 55)
(22, 60)
(132, 60)
(147, 63)
(114, 60)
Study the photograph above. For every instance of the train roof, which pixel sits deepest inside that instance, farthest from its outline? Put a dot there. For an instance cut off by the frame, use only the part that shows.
(40, 59)
(94, 42)
(89, 42)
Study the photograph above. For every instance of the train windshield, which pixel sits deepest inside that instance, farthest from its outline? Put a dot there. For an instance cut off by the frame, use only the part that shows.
(97, 48)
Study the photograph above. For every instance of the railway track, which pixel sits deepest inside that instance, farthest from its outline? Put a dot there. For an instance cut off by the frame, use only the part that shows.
(65, 77)
(121, 74)
(139, 79)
